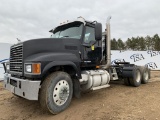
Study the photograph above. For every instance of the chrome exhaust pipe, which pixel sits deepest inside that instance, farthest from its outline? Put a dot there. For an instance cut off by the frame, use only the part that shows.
(108, 45)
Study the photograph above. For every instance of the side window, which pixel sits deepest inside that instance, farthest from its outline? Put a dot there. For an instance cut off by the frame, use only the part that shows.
(89, 35)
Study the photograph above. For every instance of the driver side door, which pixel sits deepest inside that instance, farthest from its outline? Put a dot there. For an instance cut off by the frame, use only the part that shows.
(92, 49)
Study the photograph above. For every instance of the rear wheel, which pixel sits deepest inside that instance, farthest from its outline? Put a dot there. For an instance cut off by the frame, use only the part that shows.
(136, 79)
(56, 92)
(145, 74)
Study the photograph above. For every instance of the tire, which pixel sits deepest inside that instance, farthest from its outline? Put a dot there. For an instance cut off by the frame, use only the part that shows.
(127, 81)
(136, 79)
(56, 92)
(149, 73)
(145, 72)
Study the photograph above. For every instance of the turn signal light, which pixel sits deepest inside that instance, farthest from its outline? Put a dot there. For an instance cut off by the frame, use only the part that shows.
(97, 67)
(36, 68)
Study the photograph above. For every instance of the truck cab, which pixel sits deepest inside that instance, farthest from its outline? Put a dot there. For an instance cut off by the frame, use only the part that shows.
(87, 47)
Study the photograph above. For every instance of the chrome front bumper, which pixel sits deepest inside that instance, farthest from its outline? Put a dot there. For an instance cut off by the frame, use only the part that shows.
(22, 87)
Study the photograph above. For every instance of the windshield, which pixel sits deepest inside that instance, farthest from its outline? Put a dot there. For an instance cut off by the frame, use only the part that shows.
(71, 30)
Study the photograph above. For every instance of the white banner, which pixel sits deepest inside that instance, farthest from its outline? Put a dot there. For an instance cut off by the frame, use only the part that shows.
(4, 55)
(1, 72)
(149, 58)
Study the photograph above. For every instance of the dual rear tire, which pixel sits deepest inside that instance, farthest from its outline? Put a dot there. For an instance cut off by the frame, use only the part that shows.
(140, 75)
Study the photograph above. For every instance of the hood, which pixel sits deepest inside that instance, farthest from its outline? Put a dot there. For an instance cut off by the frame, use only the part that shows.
(45, 45)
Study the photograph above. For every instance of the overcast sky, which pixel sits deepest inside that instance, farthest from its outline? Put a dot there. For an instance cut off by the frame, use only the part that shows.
(26, 19)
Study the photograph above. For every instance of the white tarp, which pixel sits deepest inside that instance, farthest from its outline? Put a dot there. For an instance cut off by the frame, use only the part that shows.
(4, 54)
(149, 58)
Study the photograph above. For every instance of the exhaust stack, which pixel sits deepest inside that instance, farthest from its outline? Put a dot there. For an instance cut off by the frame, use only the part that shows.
(108, 45)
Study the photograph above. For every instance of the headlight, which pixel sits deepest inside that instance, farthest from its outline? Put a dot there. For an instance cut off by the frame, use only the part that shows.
(29, 68)
(33, 68)
(7, 66)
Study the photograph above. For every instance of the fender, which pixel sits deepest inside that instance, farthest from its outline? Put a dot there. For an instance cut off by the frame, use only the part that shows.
(57, 63)
(128, 70)
(49, 60)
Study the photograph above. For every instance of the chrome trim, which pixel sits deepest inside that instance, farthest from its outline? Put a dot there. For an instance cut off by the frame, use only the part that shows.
(17, 45)
(25, 88)
(18, 58)
(108, 45)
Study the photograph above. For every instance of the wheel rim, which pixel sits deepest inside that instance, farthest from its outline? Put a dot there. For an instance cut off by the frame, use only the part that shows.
(146, 75)
(138, 78)
(61, 92)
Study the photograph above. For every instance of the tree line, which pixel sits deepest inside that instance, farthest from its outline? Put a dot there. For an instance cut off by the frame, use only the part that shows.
(137, 43)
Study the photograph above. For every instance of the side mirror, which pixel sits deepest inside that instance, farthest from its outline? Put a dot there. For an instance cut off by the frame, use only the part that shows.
(98, 31)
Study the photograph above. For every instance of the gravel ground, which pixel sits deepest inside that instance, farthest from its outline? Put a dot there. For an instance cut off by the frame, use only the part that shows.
(118, 102)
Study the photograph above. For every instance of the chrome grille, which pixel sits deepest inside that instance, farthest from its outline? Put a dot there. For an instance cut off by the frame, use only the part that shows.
(16, 57)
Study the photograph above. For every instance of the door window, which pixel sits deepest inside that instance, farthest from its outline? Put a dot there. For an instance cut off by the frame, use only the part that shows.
(89, 34)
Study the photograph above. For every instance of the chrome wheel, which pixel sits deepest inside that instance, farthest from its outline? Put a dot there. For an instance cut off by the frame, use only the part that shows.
(138, 78)
(146, 75)
(61, 92)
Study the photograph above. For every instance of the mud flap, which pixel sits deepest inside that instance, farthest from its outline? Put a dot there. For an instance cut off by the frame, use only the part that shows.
(76, 88)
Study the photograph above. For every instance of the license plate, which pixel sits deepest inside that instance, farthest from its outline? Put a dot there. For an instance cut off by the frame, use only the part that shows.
(12, 89)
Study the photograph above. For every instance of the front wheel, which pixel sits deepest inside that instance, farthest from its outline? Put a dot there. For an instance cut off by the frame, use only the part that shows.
(56, 92)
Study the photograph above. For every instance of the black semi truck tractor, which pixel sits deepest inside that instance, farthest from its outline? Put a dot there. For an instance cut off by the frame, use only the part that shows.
(73, 60)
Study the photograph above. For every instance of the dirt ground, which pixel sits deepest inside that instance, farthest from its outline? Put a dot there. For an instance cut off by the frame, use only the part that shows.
(118, 102)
